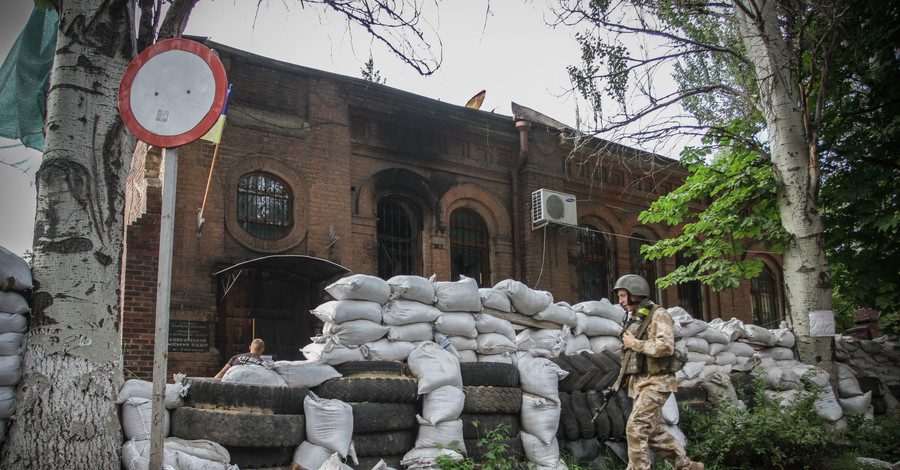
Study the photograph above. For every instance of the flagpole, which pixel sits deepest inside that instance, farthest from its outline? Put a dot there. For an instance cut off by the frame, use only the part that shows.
(200, 218)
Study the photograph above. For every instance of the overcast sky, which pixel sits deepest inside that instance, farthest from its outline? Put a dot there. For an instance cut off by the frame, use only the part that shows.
(509, 51)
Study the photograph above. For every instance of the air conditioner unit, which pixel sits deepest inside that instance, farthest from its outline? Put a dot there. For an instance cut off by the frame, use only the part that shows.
(552, 207)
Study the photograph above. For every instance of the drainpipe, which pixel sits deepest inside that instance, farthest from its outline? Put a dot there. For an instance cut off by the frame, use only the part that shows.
(523, 127)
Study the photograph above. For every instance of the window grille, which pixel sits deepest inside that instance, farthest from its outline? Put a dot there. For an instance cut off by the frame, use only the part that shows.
(469, 247)
(592, 265)
(639, 264)
(399, 232)
(264, 206)
(764, 299)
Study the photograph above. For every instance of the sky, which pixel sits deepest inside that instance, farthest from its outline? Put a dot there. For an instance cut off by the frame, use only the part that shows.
(504, 47)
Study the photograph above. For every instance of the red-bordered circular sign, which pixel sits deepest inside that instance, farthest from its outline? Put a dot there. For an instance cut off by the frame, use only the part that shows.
(172, 93)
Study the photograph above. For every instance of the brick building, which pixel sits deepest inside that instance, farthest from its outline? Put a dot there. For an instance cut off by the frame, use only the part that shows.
(319, 174)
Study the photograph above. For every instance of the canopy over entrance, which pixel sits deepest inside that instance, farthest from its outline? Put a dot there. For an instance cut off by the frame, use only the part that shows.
(312, 268)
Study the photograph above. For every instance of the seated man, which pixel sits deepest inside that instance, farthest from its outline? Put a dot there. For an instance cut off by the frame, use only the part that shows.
(257, 346)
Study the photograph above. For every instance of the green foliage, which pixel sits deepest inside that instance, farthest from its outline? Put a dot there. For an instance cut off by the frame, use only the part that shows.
(370, 73)
(496, 457)
(876, 438)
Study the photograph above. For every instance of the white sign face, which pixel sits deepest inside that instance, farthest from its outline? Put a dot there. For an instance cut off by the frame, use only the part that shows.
(172, 92)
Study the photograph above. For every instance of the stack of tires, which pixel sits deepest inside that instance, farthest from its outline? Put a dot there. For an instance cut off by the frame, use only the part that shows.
(493, 399)
(385, 401)
(259, 425)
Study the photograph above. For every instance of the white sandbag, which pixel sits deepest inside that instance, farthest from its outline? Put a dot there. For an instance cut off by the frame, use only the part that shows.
(7, 402)
(692, 327)
(577, 343)
(464, 343)
(503, 358)
(329, 423)
(443, 404)
(11, 344)
(716, 348)
(446, 434)
(756, 334)
(777, 353)
(676, 432)
(539, 376)
(712, 335)
(360, 287)
(334, 462)
(413, 288)
(670, 410)
(405, 312)
(435, 367)
(494, 299)
(849, 387)
(720, 391)
(308, 373)
(691, 370)
(551, 340)
(15, 273)
(766, 362)
(596, 326)
(339, 311)
(13, 323)
(725, 358)
(137, 414)
(733, 329)
(387, 350)
(494, 343)
(783, 337)
(10, 370)
(859, 403)
(696, 344)
(782, 378)
(468, 355)
(606, 343)
(815, 375)
(700, 357)
(827, 405)
(354, 332)
(253, 375)
(821, 323)
(200, 448)
(137, 388)
(524, 299)
(413, 332)
(328, 352)
(540, 417)
(601, 308)
(456, 324)
(310, 456)
(538, 452)
(560, 313)
(136, 454)
(13, 302)
(424, 457)
(457, 296)
(486, 323)
(740, 348)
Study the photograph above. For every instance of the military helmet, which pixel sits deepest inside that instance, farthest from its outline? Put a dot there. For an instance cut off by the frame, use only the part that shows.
(634, 284)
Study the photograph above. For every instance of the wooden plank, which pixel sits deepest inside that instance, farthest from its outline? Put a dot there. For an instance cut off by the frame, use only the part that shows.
(523, 320)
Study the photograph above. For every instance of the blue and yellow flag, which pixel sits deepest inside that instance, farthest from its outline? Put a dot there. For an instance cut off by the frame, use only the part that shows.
(214, 135)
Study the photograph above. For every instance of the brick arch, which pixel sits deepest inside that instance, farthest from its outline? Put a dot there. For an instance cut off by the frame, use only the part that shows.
(396, 181)
(300, 201)
(467, 195)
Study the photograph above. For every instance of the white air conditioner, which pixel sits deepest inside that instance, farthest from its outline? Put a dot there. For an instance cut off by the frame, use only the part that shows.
(552, 207)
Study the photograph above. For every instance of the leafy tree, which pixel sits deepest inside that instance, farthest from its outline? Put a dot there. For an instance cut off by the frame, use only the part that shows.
(370, 73)
(72, 369)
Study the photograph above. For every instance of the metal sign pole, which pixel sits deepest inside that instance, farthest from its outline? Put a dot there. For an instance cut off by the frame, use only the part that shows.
(163, 294)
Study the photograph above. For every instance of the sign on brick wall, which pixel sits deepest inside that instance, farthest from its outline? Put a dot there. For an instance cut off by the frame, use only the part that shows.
(188, 336)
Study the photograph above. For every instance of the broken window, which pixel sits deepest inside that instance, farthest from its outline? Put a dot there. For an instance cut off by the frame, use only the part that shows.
(399, 237)
(764, 299)
(592, 264)
(469, 247)
(264, 206)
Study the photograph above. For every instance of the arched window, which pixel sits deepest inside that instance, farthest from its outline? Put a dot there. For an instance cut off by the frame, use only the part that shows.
(399, 237)
(469, 247)
(593, 264)
(689, 293)
(639, 264)
(264, 206)
(764, 295)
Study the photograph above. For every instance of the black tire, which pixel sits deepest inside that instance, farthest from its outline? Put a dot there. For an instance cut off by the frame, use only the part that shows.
(489, 374)
(261, 457)
(367, 463)
(568, 424)
(373, 389)
(582, 372)
(489, 422)
(238, 428)
(583, 415)
(377, 444)
(214, 394)
(492, 400)
(391, 368)
(380, 417)
(604, 362)
(695, 394)
(514, 449)
(616, 419)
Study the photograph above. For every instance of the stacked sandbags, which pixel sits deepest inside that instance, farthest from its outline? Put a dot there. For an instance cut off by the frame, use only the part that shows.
(874, 358)
(179, 454)
(601, 321)
(496, 341)
(539, 378)
(15, 280)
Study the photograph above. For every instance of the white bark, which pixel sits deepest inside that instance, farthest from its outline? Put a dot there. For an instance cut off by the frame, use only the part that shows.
(72, 371)
(807, 279)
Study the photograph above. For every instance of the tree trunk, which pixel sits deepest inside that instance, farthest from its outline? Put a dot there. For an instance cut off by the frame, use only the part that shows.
(66, 414)
(807, 279)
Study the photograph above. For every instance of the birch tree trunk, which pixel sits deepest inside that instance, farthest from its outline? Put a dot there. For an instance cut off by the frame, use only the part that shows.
(66, 414)
(807, 279)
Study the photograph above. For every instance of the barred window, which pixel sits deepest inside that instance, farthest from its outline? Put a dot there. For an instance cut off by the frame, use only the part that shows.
(639, 264)
(264, 206)
(764, 295)
(592, 264)
(469, 247)
(399, 230)
(689, 293)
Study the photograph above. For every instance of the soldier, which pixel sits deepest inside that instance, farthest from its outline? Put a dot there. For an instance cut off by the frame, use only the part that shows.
(650, 335)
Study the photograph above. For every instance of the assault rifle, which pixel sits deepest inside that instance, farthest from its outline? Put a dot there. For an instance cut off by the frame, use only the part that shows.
(609, 392)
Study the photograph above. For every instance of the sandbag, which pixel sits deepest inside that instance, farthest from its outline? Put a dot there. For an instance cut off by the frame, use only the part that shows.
(700, 357)
(494, 343)
(849, 387)
(11, 344)
(725, 358)
(782, 378)
(413, 332)
(443, 404)
(486, 323)
(740, 348)
(456, 324)
(468, 355)
(15, 273)
(354, 332)
(606, 343)
(539, 376)
(756, 334)
(310, 456)
(777, 353)
(339, 311)
(538, 452)
(334, 462)
(494, 299)
(783, 337)
(405, 312)
(551, 340)
(560, 313)
(387, 350)
(360, 287)
(329, 423)
(13, 323)
(712, 335)
(504, 358)
(596, 326)
(859, 403)
(253, 375)
(10, 370)
(540, 417)
(601, 308)
(670, 410)
(716, 348)
(7, 402)
(446, 434)
(827, 405)
(136, 456)
(137, 388)
(137, 414)
(577, 343)
(328, 352)
(524, 299)
(13, 302)
(696, 344)
(733, 329)
(457, 296)
(424, 457)
(463, 343)
(200, 448)
(308, 373)
(413, 288)
(435, 367)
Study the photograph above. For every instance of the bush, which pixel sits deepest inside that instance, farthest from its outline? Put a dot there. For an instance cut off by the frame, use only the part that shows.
(496, 458)
(876, 438)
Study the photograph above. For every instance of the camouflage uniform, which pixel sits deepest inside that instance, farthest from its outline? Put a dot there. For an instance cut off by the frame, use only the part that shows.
(646, 430)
